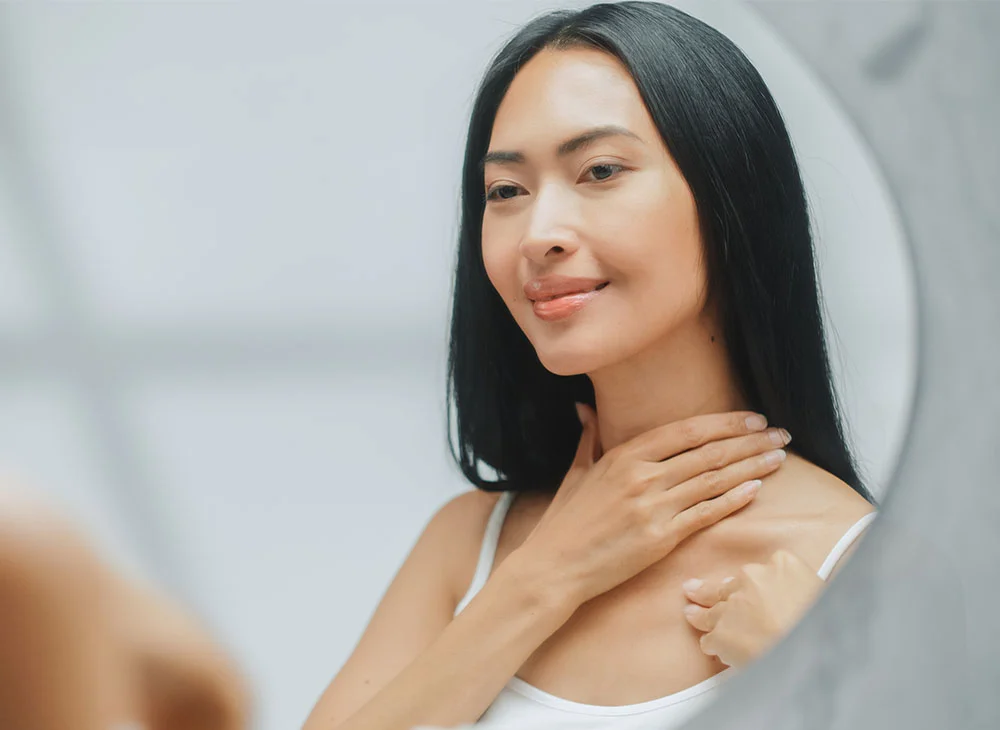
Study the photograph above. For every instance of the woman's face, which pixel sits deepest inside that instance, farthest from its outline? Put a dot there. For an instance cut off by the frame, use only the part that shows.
(614, 209)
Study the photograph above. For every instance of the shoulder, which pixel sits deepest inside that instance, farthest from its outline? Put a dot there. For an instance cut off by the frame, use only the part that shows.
(466, 511)
(812, 508)
(457, 531)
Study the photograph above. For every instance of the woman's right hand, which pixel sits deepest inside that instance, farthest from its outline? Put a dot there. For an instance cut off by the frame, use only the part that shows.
(613, 518)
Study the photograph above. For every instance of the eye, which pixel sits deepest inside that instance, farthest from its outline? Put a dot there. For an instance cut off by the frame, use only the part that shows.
(491, 193)
(605, 165)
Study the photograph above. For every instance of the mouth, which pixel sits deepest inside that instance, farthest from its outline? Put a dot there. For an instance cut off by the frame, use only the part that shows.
(572, 294)
(554, 309)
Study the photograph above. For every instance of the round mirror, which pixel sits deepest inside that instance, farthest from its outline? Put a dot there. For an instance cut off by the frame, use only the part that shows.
(226, 270)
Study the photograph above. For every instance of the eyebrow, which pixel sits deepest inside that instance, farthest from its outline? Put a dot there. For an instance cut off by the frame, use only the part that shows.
(506, 157)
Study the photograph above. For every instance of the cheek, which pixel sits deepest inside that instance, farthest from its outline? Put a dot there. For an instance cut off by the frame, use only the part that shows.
(501, 269)
(666, 258)
(674, 222)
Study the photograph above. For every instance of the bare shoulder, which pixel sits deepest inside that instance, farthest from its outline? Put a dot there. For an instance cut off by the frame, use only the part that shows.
(810, 508)
(459, 526)
(809, 489)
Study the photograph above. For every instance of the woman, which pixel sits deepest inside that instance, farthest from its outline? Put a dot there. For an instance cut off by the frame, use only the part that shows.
(628, 160)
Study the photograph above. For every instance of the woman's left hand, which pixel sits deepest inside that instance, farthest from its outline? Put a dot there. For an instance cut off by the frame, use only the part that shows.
(744, 615)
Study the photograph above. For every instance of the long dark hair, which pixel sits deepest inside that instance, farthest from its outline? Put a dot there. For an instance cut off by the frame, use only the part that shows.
(726, 135)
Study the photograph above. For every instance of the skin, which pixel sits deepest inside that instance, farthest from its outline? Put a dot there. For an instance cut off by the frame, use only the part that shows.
(86, 647)
(648, 343)
(652, 347)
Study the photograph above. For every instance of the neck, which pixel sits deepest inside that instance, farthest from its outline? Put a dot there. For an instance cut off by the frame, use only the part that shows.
(685, 375)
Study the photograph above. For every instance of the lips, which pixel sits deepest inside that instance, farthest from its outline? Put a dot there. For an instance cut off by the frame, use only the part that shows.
(564, 306)
(570, 293)
(551, 287)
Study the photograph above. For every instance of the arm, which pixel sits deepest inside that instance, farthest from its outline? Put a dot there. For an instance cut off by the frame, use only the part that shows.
(415, 664)
(59, 666)
(84, 646)
(186, 680)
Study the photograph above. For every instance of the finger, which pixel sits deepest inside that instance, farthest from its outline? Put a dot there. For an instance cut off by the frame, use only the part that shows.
(708, 644)
(725, 451)
(671, 439)
(708, 592)
(707, 512)
(704, 619)
(712, 484)
(711, 470)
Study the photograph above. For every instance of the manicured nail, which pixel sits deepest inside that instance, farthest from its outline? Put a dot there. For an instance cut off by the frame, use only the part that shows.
(775, 457)
(693, 584)
(756, 422)
(691, 609)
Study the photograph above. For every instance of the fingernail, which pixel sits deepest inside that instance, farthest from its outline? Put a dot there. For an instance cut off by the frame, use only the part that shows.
(693, 584)
(727, 580)
(579, 412)
(691, 609)
(756, 422)
(774, 457)
(788, 436)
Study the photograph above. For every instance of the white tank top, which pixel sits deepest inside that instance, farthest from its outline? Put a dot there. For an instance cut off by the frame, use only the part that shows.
(524, 706)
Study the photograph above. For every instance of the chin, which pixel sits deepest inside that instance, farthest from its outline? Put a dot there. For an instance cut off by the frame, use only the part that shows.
(572, 362)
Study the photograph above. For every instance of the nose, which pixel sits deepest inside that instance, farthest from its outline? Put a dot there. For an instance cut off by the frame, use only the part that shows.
(547, 235)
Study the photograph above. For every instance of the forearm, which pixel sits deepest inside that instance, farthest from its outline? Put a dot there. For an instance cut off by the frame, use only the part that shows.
(457, 677)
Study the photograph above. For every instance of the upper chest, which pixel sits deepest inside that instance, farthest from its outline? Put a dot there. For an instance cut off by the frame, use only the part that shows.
(632, 643)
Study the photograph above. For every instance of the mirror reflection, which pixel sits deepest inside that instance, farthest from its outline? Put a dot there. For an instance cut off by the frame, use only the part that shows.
(677, 353)
(637, 352)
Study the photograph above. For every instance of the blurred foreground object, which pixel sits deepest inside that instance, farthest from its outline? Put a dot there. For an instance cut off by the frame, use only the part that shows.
(84, 647)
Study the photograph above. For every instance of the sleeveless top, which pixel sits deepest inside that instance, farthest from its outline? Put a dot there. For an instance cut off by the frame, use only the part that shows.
(524, 706)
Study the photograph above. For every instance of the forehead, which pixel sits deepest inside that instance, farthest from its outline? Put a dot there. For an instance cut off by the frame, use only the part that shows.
(560, 91)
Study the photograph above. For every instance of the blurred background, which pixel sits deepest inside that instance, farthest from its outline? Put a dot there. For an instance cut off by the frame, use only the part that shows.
(226, 240)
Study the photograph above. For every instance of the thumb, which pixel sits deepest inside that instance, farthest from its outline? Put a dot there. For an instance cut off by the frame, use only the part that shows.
(587, 449)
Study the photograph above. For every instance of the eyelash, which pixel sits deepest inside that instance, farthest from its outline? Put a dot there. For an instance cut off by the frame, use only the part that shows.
(488, 193)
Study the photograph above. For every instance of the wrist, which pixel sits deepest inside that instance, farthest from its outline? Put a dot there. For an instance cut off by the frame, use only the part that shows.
(548, 591)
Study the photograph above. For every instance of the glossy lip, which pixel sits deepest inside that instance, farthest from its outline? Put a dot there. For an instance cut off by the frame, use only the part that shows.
(547, 287)
(553, 310)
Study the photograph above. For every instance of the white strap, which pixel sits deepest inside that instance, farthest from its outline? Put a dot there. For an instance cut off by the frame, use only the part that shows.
(488, 550)
(843, 544)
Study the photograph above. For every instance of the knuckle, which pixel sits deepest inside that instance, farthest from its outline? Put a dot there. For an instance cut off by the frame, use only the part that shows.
(641, 515)
(713, 455)
(711, 480)
(637, 478)
(655, 532)
(703, 513)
